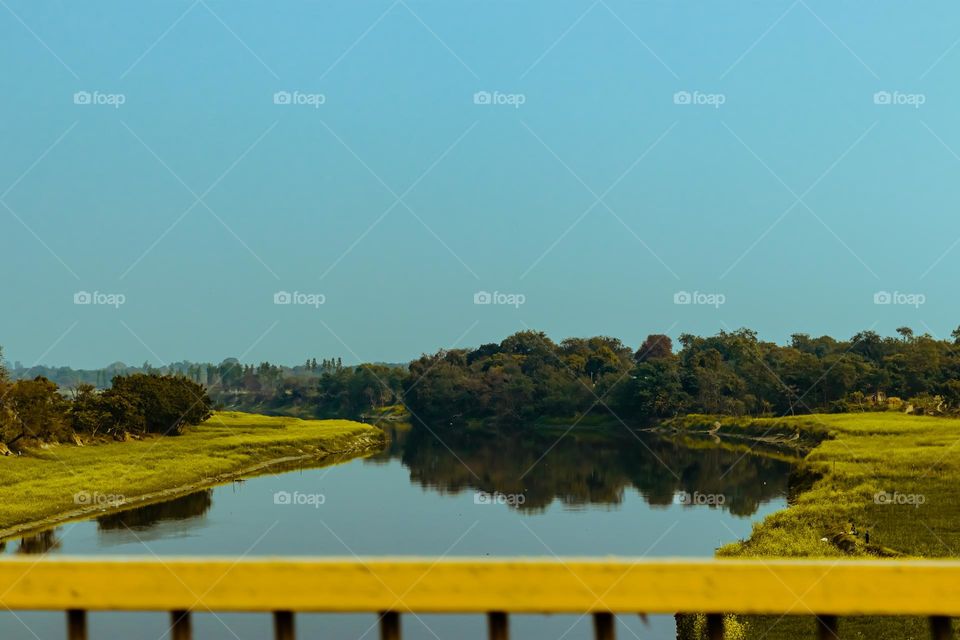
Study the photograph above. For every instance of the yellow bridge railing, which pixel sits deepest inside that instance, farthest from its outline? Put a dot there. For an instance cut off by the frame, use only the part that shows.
(496, 588)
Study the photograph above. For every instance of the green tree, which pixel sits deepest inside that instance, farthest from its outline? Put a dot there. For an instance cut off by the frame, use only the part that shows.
(167, 403)
(37, 411)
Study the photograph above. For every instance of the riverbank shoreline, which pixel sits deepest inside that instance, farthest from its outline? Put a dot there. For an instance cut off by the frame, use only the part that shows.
(228, 447)
(800, 433)
(783, 442)
(886, 473)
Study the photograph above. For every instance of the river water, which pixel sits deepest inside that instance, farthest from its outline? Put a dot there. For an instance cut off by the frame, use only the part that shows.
(588, 492)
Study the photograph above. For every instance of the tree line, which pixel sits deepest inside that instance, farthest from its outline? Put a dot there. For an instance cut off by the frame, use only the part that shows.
(528, 376)
(323, 388)
(38, 410)
(318, 390)
(525, 377)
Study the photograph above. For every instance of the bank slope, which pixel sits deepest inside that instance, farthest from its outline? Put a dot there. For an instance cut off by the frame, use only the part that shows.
(892, 474)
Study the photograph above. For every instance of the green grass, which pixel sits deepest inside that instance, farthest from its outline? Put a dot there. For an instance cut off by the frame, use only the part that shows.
(863, 454)
(867, 454)
(43, 483)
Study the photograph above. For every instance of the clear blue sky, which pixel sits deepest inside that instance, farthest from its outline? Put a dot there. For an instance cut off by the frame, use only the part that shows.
(797, 199)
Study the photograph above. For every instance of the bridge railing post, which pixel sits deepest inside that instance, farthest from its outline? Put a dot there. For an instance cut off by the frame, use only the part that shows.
(283, 628)
(827, 628)
(390, 625)
(76, 624)
(603, 626)
(715, 626)
(941, 628)
(180, 627)
(498, 626)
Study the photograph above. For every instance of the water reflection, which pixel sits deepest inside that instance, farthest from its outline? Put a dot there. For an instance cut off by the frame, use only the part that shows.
(41, 542)
(583, 468)
(586, 467)
(193, 505)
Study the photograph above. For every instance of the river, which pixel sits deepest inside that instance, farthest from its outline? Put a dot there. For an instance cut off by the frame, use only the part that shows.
(589, 492)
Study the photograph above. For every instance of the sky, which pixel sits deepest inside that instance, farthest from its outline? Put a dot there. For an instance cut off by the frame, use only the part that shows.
(378, 179)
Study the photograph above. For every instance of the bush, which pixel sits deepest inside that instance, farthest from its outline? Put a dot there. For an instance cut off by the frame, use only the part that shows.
(159, 404)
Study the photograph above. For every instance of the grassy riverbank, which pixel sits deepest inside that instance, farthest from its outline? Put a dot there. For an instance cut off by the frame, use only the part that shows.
(64, 482)
(891, 474)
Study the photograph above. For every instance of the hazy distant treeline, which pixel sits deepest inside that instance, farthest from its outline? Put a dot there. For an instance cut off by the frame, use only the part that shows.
(529, 376)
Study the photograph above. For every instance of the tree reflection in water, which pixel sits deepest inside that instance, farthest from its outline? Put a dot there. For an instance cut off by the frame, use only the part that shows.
(584, 467)
(192, 505)
(41, 542)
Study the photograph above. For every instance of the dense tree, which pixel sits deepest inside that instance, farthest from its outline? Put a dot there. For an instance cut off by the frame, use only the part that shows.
(87, 414)
(653, 389)
(528, 376)
(34, 410)
(167, 403)
(112, 412)
(656, 346)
